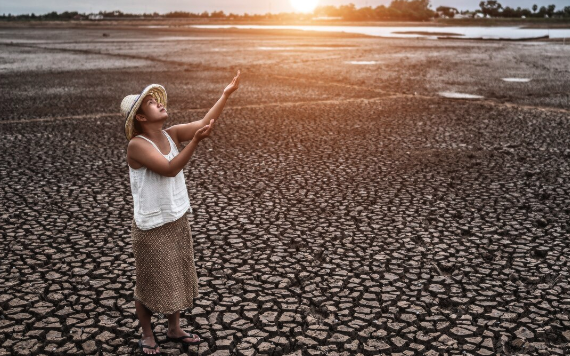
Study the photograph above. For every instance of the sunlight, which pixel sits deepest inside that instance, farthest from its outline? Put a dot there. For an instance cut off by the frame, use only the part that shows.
(304, 5)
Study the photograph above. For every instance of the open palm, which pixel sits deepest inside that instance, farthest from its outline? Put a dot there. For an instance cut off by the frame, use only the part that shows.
(233, 86)
(204, 131)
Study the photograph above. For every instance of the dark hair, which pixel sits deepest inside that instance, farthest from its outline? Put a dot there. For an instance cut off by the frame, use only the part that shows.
(137, 123)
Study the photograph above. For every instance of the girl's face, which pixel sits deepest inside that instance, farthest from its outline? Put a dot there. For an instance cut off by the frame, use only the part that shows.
(153, 110)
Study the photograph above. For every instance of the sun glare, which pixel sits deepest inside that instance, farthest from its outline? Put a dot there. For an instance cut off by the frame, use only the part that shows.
(304, 5)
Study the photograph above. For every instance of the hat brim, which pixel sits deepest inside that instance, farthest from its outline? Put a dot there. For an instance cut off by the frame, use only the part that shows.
(158, 92)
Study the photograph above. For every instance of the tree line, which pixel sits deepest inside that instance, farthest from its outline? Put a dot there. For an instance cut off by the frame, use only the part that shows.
(493, 8)
(398, 10)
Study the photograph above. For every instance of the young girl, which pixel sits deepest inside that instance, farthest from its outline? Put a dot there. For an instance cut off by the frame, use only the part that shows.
(166, 280)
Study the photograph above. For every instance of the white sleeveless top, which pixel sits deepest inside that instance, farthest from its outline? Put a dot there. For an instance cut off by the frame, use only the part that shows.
(158, 199)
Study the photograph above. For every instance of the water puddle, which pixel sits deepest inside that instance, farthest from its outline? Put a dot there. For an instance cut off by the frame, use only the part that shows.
(427, 33)
(299, 48)
(478, 32)
(454, 95)
(517, 80)
(363, 62)
(275, 48)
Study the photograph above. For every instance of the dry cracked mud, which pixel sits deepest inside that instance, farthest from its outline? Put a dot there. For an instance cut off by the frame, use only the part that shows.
(338, 209)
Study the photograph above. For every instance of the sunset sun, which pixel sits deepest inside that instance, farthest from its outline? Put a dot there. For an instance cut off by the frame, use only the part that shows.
(304, 5)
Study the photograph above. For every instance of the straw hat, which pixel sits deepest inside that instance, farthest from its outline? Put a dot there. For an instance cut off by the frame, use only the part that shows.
(131, 104)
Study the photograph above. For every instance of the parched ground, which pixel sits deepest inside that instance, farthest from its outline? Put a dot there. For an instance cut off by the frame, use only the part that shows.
(338, 208)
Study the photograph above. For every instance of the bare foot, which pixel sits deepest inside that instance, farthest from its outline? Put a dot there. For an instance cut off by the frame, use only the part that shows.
(150, 341)
(179, 333)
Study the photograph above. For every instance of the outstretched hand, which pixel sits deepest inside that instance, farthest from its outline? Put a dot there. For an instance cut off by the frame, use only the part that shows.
(204, 131)
(233, 86)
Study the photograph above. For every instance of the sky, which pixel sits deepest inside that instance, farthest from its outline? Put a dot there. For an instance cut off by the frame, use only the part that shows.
(17, 7)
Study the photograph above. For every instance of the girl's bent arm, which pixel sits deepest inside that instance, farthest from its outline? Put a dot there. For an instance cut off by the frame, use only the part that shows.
(145, 154)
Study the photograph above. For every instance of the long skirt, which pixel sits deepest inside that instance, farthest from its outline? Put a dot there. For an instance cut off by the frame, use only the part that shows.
(166, 279)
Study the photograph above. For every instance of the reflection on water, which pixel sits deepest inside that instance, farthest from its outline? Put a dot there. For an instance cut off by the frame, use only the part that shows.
(363, 62)
(262, 48)
(418, 32)
(519, 80)
(454, 95)
(275, 48)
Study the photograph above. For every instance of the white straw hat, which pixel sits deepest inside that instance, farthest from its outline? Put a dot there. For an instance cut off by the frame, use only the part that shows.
(131, 104)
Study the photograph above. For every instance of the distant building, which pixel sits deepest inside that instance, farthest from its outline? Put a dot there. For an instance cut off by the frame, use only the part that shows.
(95, 17)
(446, 12)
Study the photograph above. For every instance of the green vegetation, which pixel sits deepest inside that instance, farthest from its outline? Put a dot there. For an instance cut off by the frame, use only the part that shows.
(493, 8)
(398, 10)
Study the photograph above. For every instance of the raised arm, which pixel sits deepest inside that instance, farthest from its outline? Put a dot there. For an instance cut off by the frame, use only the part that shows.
(144, 153)
(185, 132)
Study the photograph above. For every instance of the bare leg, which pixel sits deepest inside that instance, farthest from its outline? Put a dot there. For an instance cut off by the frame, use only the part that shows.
(144, 314)
(174, 329)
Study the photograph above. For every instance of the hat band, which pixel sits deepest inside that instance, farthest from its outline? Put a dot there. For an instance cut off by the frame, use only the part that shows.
(132, 106)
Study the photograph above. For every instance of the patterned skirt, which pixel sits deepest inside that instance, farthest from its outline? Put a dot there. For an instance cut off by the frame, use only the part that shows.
(166, 279)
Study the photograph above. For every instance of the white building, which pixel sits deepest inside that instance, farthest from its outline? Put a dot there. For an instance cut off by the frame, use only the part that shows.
(95, 17)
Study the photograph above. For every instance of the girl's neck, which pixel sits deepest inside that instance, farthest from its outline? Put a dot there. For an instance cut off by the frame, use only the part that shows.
(152, 133)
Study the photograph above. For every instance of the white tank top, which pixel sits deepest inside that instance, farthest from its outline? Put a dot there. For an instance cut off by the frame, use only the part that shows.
(158, 199)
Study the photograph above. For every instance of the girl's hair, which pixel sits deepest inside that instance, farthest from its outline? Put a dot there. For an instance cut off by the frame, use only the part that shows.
(137, 123)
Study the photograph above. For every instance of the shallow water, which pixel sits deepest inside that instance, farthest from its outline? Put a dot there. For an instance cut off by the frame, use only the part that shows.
(454, 95)
(517, 80)
(265, 48)
(414, 32)
(363, 62)
(274, 48)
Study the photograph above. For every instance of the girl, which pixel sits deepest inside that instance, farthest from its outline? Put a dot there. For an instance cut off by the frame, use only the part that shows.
(166, 280)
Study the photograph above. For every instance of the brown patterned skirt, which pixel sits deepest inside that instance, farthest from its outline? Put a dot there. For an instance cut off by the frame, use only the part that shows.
(166, 279)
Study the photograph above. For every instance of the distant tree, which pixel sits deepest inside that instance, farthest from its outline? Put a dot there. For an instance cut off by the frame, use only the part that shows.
(364, 13)
(490, 7)
(67, 15)
(550, 10)
(508, 12)
(217, 14)
(534, 8)
(415, 10)
(348, 12)
(542, 11)
(181, 14)
(526, 13)
(329, 10)
(398, 10)
(381, 12)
